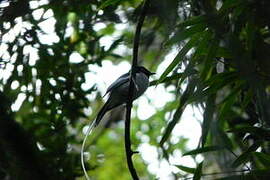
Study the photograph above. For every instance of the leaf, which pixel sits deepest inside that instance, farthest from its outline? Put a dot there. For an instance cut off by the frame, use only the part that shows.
(263, 158)
(263, 104)
(260, 132)
(177, 115)
(167, 79)
(193, 20)
(247, 129)
(225, 140)
(243, 158)
(225, 77)
(213, 84)
(115, 44)
(207, 67)
(227, 103)
(203, 150)
(186, 33)
(108, 3)
(261, 174)
(207, 118)
(203, 44)
(191, 43)
(229, 6)
(247, 98)
(223, 52)
(186, 169)
(198, 172)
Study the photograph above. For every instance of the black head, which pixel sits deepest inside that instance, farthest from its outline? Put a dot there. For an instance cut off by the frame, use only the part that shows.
(143, 70)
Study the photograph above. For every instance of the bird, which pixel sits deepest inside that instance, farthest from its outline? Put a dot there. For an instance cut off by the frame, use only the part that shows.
(118, 93)
(119, 90)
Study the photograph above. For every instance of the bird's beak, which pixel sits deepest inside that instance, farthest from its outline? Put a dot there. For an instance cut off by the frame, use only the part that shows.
(152, 74)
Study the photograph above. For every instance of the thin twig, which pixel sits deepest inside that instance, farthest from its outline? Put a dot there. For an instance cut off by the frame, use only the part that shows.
(129, 152)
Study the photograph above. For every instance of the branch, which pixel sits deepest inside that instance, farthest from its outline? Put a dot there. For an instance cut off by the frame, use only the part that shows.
(129, 152)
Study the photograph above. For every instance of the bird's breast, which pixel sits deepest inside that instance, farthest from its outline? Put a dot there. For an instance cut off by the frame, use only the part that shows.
(121, 93)
(142, 82)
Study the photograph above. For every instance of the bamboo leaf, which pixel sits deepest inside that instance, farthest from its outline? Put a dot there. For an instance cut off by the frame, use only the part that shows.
(191, 43)
(207, 118)
(213, 48)
(203, 150)
(262, 133)
(115, 44)
(263, 158)
(186, 33)
(193, 20)
(198, 172)
(177, 115)
(186, 169)
(262, 174)
(243, 158)
(229, 6)
(167, 79)
(214, 84)
(108, 3)
(225, 140)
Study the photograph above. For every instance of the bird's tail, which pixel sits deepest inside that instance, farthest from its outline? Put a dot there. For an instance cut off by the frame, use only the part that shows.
(102, 112)
(91, 126)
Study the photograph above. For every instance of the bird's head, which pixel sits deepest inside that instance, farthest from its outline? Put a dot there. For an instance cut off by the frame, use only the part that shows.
(143, 70)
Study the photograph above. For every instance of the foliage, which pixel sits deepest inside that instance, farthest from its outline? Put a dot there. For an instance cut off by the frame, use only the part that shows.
(222, 66)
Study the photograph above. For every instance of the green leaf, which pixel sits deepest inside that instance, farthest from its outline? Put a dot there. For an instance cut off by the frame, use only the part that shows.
(247, 129)
(222, 79)
(193, 20)
(263, 158)
(223, 52)
(177, 115)
(261, 174)
(115, 44)
(228, 6)
(227, 103)
(186, 169)
(243, 158)
(225, 140)
(247, 98)
(213, 84)
(207, 118)
(260, 132)
(210, 58)
(263, 104)
(203, 44)
(187, 33)
(180, 56)
(198, 172)
(108, 3)
(203, 150)
(108, 30)
(167, 79)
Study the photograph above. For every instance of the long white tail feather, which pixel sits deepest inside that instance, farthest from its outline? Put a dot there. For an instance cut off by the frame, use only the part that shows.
(89, 130)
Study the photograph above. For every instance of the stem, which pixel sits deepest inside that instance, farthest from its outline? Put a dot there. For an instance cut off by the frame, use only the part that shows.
(129, 152)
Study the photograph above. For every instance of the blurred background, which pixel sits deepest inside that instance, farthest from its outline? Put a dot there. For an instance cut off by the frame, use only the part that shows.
(206, 114)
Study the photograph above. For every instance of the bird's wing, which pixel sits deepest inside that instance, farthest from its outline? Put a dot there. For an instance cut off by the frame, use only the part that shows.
(121, 80)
